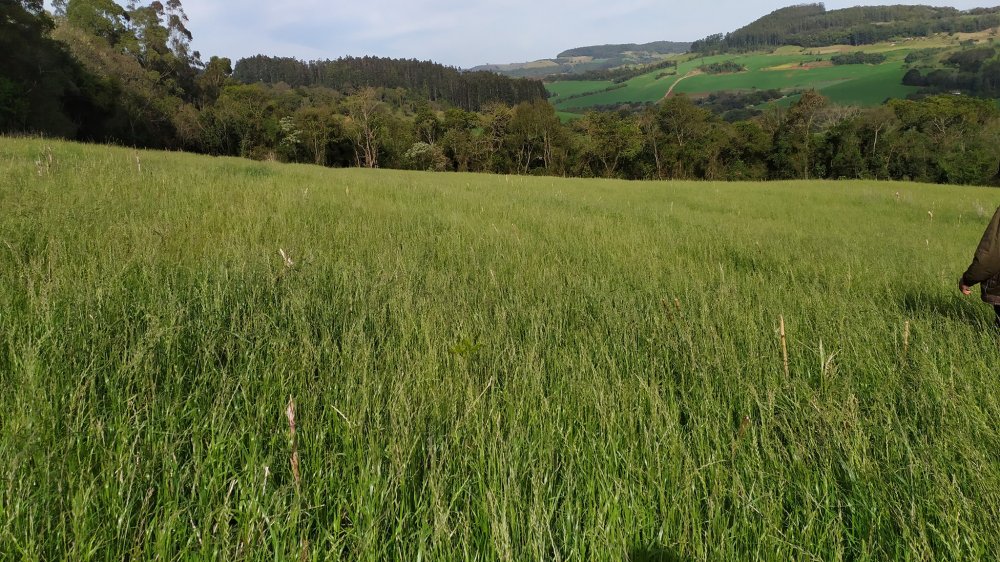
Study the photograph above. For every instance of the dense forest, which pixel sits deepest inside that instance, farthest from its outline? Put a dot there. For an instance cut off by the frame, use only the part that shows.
(973, 71)
(468, 90)
(96, 71)
(811, 25)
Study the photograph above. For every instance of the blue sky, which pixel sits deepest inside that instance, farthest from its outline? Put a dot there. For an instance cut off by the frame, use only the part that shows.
(461, 33)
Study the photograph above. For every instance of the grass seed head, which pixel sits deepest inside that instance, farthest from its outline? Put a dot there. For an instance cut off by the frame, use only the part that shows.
(294, 460)
(290, 414)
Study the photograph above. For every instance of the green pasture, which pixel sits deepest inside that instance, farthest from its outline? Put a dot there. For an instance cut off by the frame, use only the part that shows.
(219, 359)
(870, 88)
(854, 84)
(566, 88)
(566, 116)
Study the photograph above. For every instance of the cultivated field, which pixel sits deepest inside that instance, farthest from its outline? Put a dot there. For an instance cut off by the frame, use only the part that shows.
(485, 367)
(788, 68)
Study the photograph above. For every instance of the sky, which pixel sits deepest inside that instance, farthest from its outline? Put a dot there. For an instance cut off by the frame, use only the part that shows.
(463, 33)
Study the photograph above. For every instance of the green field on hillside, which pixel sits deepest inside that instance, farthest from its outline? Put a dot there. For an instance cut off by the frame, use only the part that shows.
(213, 358)
(787, 68)
(568, 88)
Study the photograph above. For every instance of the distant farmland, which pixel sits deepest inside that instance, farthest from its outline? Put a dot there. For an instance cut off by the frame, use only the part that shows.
(788, 69)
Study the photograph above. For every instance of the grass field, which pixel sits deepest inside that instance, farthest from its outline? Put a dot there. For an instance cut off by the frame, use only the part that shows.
(485, 367)
(864, 85)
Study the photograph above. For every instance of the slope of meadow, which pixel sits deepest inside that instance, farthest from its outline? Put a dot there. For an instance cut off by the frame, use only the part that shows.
(485, 367)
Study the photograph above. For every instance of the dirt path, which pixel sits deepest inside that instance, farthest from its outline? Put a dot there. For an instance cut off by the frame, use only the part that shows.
(678, 81)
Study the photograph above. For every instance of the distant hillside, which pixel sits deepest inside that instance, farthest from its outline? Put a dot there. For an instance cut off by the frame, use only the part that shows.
(612, 51)
(467, 90)
(864, 76)
(811, 25)
(594, 58)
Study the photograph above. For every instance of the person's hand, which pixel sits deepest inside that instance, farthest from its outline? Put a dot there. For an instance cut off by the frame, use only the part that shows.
(966, 290)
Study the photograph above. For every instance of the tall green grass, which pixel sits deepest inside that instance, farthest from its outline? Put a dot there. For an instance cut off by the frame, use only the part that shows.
(485, 367)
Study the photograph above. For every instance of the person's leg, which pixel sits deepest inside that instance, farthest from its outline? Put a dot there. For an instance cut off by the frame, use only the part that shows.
(996, 308)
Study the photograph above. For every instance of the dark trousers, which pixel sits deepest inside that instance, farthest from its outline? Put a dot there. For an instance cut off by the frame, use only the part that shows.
(996, 308)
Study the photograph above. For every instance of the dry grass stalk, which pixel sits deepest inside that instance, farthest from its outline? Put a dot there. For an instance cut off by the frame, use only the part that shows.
(44, 162)
(906, 338)
(290, 414)
(784, 344)
(304, 551)
(666, 310)
(744, 425)
(286, 259)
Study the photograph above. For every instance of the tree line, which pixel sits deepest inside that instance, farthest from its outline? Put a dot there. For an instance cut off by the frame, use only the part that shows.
(433, 81)
(811, 25)
(859, 57)
(613, 51)
(946, 139)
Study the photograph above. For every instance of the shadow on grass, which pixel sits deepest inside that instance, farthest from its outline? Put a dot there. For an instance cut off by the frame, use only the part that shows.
(969, 310)
(654, 554)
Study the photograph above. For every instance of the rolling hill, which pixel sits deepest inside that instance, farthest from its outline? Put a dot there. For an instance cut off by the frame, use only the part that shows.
(811, 25)
(586, 59)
